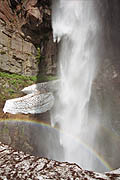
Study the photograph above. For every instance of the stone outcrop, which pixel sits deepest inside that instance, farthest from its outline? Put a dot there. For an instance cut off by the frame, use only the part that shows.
(26, 45)
(24, 133)
(17, 165)
(16, 54)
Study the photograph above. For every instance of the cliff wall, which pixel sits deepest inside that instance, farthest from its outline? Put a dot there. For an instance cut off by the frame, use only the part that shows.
(26, 45)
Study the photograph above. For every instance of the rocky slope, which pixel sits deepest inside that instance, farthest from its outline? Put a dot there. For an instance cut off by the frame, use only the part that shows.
(26, 45)
(17, 165)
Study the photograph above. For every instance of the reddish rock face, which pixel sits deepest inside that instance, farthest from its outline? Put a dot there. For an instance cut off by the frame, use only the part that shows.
(36, 20)
(28, 22)
(36, 15)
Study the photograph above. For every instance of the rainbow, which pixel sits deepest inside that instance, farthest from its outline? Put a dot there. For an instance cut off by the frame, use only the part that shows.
(86, 146)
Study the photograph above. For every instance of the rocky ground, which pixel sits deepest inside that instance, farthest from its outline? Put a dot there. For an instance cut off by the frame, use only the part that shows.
(17, 165)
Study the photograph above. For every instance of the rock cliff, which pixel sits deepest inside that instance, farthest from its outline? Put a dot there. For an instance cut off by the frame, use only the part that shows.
(26, 45)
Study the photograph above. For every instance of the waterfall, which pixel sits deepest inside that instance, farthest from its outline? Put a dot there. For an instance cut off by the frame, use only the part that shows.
(77, 28)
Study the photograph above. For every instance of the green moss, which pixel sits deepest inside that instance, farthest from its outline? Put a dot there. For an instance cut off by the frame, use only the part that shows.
(2, 97)
(12, 84)
(39, 56)
(2, 52)
(11, 91)
(43, 78)
(15, 78)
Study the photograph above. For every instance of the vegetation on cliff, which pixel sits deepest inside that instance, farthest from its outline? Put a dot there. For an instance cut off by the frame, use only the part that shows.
(12, 84)
(27, 51)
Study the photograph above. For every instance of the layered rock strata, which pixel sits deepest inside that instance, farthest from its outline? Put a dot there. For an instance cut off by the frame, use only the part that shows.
(26, 45)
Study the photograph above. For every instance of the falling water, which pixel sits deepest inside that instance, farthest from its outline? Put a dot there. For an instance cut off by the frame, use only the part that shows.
(76, 26)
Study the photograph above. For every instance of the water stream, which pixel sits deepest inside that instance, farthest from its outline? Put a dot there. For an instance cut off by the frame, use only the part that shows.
(77, 27)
